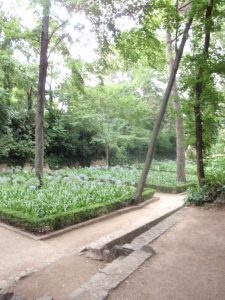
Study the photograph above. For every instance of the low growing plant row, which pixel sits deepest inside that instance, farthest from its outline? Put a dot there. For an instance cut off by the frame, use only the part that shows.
(66, 198)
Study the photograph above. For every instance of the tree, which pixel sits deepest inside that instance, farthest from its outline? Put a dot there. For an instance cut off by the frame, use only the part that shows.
(198, 95)
(39, 128)
(157, 125)
(180, 149)
(200, 81)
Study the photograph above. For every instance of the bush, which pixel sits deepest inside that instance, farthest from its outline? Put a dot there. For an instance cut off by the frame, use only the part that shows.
(63, 219)
(214, 183)
(200, 195)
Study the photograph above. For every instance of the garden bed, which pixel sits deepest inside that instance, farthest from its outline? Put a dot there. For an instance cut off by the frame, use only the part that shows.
(71, 196)
(64, 200)
(61, 220)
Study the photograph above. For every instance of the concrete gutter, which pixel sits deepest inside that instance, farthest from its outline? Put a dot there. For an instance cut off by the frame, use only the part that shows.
(100, 285)
(102, 249)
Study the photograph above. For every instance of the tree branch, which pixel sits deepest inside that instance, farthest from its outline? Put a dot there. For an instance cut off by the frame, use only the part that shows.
(57, 28)
(184, 6)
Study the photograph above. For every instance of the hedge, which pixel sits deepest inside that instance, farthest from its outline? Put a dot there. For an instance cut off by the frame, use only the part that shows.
(172, 189)
(64, 219)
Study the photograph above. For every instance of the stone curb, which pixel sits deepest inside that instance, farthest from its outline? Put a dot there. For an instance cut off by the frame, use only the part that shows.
(76, 226)
(96, 249)
(11, 281)
(155, 232)
(109, 278)
(100, 285)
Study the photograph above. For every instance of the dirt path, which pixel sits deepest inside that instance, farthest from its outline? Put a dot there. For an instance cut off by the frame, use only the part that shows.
(189, 263)
(57, 256)
(59, 279)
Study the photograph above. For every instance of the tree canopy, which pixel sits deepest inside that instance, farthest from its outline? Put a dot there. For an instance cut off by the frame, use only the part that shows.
(106, 106)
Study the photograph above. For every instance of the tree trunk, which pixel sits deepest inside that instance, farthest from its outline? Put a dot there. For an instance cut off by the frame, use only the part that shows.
(107, 154)
(162, 111)
(39, 122)
(198, 93)
(180, 150)
(50, 92)
(199, 134)
(29, 99)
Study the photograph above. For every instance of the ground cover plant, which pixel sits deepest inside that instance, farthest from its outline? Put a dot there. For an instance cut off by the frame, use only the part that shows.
(161, 174)
(170, 166)
(214, 184)
(68, 197)
(72, 195)
(60, 194)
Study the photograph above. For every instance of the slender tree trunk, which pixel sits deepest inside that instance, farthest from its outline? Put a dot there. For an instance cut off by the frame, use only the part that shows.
(107, 154)
(198, 94)
(39, 122)
(50, 104)
(199, 132)
(180, 150)
(162, 111)
(29, 99)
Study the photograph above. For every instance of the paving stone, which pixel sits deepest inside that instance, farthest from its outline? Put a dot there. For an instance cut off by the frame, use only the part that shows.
(110, 277)
(84, 294)
(17, 297)
(153, 233)
(46, 297)
(101, 281)
(113, 274)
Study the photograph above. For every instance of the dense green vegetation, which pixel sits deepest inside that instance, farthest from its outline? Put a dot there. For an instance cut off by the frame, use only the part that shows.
(214, 185)
(68, 197)
(88, 84)
(116, 112)
(64, 191)
(111, 115)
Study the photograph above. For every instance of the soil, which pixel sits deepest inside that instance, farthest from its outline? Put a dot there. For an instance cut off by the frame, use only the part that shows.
(59, 279)
(189, 263)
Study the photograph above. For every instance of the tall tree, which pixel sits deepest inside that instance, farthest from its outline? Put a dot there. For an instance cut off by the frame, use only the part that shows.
(39, 122)
(180, 150)
(162, 111)
(198, 95)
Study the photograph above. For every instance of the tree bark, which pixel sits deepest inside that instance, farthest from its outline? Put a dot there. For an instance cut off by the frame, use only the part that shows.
(39, 121)
(107, 154)
(198, 94)
(180, 150)
(162, 111)
(29, 99)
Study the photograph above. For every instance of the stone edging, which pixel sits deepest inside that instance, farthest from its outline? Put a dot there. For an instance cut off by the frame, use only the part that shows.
(100, 285)
(102, 249)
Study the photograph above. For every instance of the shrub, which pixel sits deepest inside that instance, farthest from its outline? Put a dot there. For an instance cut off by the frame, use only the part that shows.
(214, 183)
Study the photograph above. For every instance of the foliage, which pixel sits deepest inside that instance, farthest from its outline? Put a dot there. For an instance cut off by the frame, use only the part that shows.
(131, 174)
(214, 183)
(63, 219)
(62, 192)
(91, 106)
(66, 198)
